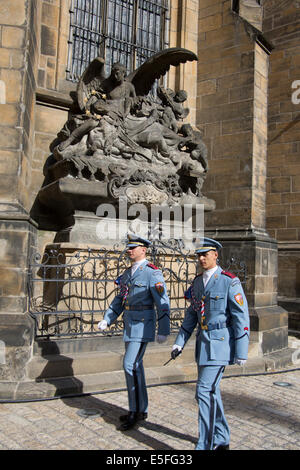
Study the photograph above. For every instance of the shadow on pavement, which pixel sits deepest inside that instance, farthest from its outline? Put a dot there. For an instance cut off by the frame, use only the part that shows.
(110, 414)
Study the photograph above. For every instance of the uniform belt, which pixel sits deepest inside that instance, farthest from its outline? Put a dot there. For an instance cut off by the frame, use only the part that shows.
(215, 326)
(138, 307)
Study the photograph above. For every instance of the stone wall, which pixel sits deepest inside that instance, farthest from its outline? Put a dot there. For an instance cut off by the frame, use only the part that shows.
(282, 27)
(232, 74)
(184, 33)
(54, 32)
(19, 49)
(52, 96)
(232, 111)
(17, 74)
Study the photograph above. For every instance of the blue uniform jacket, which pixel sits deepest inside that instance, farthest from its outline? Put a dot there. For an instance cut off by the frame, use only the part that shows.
(137, 296)
(223, 330)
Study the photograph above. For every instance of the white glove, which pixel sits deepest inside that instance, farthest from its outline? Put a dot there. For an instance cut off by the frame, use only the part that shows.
(240, 362)
(176, 350)
(161, 338)
(102, 325)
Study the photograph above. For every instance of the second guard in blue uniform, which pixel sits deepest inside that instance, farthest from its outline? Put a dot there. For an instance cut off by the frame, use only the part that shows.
(140, 288)
(219, 309)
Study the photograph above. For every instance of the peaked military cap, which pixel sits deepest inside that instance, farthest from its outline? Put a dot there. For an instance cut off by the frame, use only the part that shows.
(134, 240)
(207, 244)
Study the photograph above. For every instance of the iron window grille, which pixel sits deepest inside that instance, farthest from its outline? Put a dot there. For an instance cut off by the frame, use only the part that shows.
(126, 31)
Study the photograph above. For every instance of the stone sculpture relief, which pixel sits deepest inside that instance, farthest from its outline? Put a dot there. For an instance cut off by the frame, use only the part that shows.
(132, 142)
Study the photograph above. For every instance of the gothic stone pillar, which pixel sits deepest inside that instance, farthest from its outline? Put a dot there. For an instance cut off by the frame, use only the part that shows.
(232, 111)
(17, 230)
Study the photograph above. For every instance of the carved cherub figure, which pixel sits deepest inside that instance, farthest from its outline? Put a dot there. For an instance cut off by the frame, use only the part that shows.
(173, 109)
(194, 145)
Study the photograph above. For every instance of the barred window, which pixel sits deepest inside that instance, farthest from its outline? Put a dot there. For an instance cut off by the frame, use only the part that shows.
(126, 31)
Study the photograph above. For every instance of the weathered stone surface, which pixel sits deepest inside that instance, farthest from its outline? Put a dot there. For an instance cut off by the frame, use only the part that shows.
(275, 340)
(251, 11)
(13, 12)
(16, 329)
(13, 37)
(48, 41)
(16, 332)
(283, 147)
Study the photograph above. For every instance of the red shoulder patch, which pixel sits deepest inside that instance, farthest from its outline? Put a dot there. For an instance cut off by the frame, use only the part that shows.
(152, 266)
(227, 273)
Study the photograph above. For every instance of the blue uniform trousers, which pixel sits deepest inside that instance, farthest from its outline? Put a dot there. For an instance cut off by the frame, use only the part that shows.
(135, 376)
(213, 427)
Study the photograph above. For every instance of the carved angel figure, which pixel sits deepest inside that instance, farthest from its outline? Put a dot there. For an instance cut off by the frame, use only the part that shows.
(118, 124)
(116, 97)
(98, 96)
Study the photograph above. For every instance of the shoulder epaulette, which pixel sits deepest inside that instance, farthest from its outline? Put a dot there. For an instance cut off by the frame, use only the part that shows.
(188, 294)
(152, 266)
(227, 273)
(118, 280)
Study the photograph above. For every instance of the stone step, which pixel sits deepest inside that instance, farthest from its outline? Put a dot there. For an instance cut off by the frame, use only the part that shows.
(114, 380)
(101, 382)
(66, 346)
(95, 362)
(57, 365)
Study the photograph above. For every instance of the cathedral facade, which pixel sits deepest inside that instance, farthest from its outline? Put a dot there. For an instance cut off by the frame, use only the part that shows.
(243, 95)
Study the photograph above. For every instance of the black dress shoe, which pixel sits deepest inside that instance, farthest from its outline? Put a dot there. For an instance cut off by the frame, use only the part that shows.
(129, 421)
(221, 447)
(140, 416)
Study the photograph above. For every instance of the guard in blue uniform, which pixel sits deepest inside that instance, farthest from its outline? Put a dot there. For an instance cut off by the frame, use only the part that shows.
(219, 309)
(140, 288)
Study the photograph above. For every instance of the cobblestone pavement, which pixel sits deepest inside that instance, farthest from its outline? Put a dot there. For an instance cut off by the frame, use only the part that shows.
(261, 415)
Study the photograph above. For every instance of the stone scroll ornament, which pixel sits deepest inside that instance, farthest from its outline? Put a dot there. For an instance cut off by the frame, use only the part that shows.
(127, 132)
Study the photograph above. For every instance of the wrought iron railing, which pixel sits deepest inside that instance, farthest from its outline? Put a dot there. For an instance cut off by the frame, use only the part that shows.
(69, 291)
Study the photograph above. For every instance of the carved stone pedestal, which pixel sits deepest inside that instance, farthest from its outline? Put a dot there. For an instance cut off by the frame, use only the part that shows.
(62, 197)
